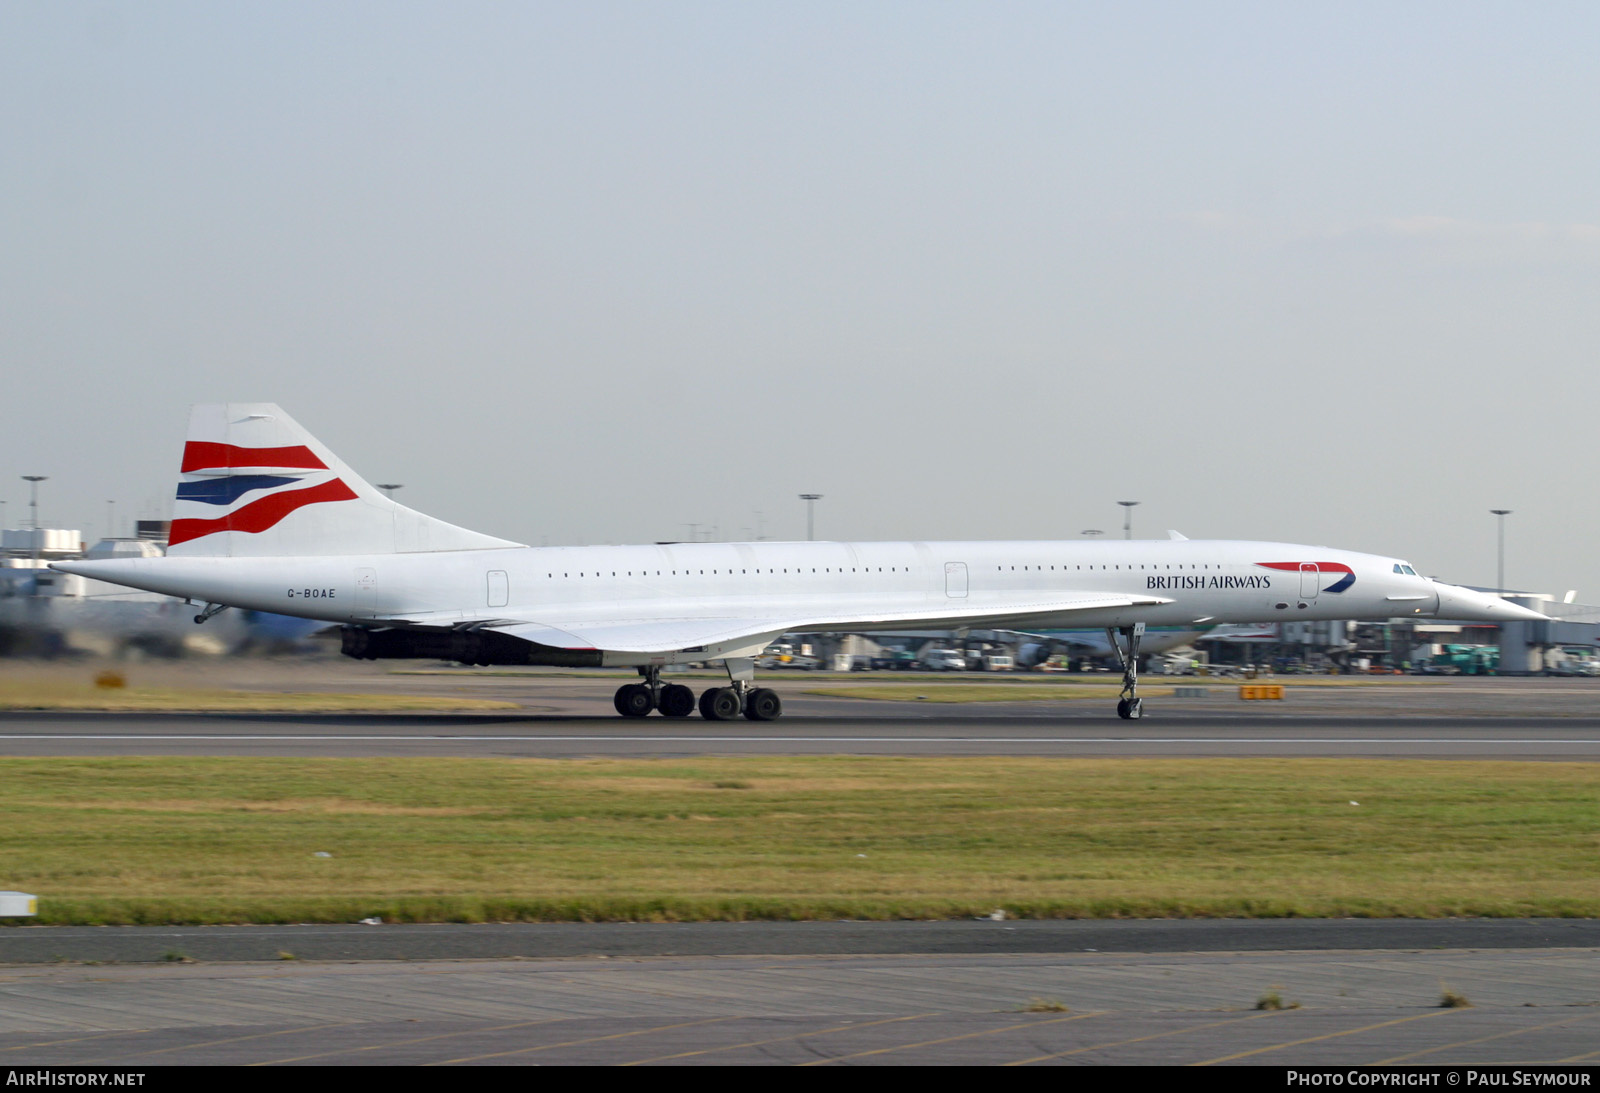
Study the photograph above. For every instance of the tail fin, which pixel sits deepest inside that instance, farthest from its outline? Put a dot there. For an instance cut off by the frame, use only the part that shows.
(256, 484)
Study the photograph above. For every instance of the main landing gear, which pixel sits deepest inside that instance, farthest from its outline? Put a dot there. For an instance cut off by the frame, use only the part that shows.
(1130, 707)
(716, 703)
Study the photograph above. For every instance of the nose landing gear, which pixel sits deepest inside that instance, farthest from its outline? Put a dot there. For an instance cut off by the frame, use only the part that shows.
(1130, 707)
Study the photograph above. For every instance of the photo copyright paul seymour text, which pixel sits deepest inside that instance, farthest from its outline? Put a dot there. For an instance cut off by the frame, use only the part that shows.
(1467, 1078)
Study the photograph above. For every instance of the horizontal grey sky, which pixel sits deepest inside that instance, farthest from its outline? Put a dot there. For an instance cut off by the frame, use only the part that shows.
(581, 273)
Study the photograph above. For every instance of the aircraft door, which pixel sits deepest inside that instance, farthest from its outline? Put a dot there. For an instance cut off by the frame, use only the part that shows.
(366, 590)
(1310, 580)
(955, 580)
(499, 588)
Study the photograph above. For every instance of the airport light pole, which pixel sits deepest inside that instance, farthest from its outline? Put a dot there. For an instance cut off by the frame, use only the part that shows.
(33, 481)
(1500, 571)
(1127, 518)
(811, 500)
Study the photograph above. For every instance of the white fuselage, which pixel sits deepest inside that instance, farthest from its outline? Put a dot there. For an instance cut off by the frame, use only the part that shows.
(1205, 582)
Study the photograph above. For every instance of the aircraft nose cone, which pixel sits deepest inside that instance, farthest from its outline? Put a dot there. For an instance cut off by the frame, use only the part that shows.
(1517, 613)
(1456, 602)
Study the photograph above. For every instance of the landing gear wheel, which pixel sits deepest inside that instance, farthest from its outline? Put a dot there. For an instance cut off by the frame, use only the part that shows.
(763, 705)
(633, 700)
(720, 704)
(676, 701)
(1130, 709)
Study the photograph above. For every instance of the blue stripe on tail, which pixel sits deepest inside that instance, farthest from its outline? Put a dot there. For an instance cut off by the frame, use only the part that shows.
(227, 490)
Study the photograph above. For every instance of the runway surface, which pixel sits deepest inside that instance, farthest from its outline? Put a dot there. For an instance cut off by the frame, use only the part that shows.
(546, 940)
(571, 716)
(993, 732)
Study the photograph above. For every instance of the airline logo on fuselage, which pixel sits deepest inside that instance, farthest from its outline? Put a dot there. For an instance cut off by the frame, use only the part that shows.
(1211, 580)
(273, 487)
(1194, 581)
(1344, 582)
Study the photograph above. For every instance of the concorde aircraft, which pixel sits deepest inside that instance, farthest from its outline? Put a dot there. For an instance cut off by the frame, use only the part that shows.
(269, 519)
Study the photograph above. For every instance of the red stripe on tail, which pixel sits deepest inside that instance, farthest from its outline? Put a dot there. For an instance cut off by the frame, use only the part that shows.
(200, 455)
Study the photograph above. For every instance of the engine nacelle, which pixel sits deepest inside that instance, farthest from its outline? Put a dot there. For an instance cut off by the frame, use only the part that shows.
(1032, 653)
(481, 647)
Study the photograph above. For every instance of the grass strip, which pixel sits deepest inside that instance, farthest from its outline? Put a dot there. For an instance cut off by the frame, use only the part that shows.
(183, 840)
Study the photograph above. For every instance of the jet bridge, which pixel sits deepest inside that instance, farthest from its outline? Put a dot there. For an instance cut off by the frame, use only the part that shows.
(1531, 648)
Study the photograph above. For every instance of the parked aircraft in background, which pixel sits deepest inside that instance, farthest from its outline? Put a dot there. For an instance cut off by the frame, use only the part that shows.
(1036, 645)
(269, 519)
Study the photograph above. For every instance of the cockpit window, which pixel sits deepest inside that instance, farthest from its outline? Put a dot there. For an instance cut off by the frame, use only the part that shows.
(1409, 570)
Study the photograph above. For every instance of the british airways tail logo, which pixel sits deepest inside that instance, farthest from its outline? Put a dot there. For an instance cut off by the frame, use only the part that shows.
(1340, 585)
(268, 493)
